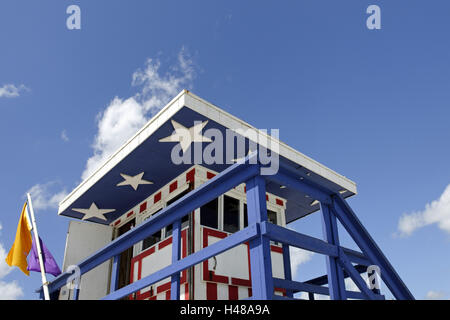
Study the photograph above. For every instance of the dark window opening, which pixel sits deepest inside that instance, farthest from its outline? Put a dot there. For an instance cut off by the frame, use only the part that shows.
(272, 216)
(245, 216)
(184, 220)
(209, 214)
(150, 241)
(125, 258)
(153, 239)
(230, 214)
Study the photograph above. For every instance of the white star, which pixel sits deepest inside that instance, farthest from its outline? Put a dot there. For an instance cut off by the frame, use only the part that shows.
(185, 136)
(134, 182)
(94, 212)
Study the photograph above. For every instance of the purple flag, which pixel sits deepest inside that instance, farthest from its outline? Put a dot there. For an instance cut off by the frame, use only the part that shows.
(50, 264)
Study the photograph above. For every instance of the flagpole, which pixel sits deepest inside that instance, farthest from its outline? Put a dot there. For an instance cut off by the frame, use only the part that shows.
(38, 247)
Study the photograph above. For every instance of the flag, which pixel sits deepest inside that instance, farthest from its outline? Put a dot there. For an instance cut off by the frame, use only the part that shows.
(18, 253)
(50, 264)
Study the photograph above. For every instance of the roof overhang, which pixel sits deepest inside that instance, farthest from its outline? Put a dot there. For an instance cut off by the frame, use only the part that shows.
(145, 153)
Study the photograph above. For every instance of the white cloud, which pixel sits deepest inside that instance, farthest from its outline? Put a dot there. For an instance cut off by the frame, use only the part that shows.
(8, 290)
(298, 257)
(4, 268)
(122, 118)
(47, 195)
(11, 91)
(64, 136)
(435, 295)
(436, 212)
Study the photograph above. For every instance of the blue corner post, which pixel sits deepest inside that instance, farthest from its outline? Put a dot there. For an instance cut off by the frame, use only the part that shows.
(260, 259)
(287, 268)
(176, 250)
(115, 273)
(336, 282)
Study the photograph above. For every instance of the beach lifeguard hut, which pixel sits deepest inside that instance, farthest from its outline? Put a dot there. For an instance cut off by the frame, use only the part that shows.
(195, 206)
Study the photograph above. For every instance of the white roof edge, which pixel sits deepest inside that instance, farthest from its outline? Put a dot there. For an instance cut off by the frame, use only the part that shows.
(192, 101)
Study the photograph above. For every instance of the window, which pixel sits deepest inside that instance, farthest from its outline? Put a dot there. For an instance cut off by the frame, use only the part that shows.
(150, 241)
(245, 216)
(155, 238)
(209, 214)
(184, 223)
(271, 216)
(230, 214)
(184, 220)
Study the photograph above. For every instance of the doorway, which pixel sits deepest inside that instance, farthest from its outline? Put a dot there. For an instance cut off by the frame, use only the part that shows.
(125, 257)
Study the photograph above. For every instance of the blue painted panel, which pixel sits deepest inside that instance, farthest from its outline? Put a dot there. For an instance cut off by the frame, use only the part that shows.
(153, 158)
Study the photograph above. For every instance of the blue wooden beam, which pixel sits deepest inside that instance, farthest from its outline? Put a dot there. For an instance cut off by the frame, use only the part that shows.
(320, 281)
(228, 179)
(210, 251)
(370, 249)
(311, 289)
(296, 239)
(335, 274)
(287, 267)
(356, 277)
(176, 254)
(115, 273)
(297, 286)
(260, 256)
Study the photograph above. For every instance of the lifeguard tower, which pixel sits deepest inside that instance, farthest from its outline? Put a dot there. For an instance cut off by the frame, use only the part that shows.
(154, 228)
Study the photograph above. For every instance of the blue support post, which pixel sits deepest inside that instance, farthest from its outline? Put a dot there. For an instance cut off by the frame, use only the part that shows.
(370, 249)
(260, 259)
(115, 273)
(287, 268)
(335, 272)
(176, 250)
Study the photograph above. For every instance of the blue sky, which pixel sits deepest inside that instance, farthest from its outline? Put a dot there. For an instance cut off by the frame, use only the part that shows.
(372, 105)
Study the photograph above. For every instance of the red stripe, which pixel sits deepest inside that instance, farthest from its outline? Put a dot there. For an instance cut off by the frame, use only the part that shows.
(279, 202)
(173, 186)
(168, 295)
(165, 243)
(117, 222)
(210, 175)
(143, 206)
(157, 197)
(233, 293)
(130, 214)
(211, 291)
(186, 291)
(190, 176)
(163, 287)
(276, 249)
(241, 282)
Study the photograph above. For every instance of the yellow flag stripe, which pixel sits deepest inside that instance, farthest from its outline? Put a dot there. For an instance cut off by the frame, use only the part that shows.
(21, 247)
